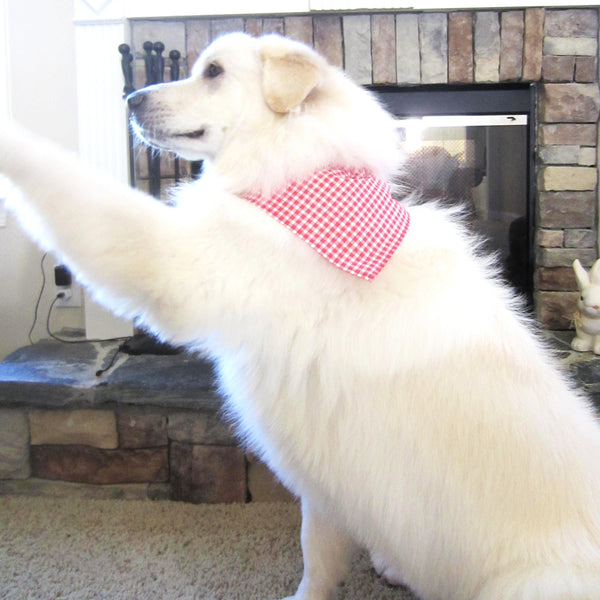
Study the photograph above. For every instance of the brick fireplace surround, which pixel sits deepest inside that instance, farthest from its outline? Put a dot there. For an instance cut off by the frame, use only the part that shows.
(557, 50)
(149, 427)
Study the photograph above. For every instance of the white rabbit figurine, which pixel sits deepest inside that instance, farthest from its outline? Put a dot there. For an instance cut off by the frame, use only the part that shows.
(587, 315)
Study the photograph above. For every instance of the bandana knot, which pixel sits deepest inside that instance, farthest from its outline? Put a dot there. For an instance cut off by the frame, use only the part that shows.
(348, 217)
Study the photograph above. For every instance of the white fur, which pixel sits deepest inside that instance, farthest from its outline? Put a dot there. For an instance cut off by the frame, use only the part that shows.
(417, 415)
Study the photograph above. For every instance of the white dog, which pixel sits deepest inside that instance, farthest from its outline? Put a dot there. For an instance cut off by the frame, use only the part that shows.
(398, 392)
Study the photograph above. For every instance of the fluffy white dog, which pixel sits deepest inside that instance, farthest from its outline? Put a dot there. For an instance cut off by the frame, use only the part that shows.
(398, 393)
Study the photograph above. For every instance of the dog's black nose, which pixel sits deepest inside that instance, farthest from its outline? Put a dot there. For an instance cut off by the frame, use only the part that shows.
(136, 99)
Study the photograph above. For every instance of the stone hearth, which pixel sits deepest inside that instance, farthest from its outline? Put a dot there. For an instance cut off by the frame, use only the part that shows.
(150, 427)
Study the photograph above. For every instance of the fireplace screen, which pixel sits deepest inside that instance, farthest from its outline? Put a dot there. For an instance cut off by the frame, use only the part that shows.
(480, 163)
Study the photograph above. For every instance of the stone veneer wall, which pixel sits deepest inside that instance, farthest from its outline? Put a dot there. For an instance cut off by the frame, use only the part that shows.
(129, 453)
(557, 49)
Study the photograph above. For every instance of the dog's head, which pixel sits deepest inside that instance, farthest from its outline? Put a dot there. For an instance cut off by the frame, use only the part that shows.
(234, 83)
(264, 111)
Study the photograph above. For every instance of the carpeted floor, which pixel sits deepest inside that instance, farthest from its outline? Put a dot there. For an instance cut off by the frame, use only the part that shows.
(78, 549)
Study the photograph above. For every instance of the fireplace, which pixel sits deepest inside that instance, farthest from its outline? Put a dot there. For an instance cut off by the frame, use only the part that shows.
(472, 148)
(540, 64)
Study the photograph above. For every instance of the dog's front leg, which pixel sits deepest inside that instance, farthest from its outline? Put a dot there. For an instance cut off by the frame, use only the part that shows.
(120, 242)
(326, 551)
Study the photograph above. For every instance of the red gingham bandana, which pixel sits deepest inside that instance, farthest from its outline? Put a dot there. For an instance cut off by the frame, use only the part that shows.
(350, 218)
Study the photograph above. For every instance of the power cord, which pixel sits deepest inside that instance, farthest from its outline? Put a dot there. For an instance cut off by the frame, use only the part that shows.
(53, 335)
(39, 299)
(56, 337)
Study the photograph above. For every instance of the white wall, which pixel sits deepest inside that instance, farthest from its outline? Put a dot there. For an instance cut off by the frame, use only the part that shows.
(40, 65)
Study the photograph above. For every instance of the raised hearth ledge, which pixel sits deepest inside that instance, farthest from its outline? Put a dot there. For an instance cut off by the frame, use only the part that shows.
(149, 428)
(51, 374)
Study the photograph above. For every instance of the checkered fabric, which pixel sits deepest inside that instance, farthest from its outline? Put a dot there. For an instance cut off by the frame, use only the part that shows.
(350, 218)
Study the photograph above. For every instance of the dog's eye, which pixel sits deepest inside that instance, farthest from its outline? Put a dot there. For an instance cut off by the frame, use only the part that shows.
(213, 70)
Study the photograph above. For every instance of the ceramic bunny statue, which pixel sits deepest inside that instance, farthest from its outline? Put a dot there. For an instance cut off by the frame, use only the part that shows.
(587, 315)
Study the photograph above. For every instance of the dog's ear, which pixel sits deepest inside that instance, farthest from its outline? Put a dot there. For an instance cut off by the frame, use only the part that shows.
(290, 73)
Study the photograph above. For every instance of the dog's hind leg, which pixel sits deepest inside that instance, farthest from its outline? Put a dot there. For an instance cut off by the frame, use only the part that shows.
(327, 552)
(552, 583)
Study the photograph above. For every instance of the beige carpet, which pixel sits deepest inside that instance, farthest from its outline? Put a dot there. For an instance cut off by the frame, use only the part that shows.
(79, 549)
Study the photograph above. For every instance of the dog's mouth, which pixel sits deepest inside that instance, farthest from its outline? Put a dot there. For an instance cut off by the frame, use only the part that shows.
(193, 144)
(156, 136)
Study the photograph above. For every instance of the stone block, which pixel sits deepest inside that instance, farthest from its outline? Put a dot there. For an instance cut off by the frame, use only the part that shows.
(511, 45)
(207, 473)
(200, 428)
(328, 38)
(383, 48)
(51, 374)
(587, 156)
(549, 238)
(558, 68)
(487, 47)
(180, 380)
(141, 429)
(586, 69)
(66, 489)
(263, 486)
(567, 209)
(85, 464)
(273, 25)
(408, 61)
(555, 279)
(198, 38)
(460, 47)
(357, 48)
(433, 37)
(170, 33)
(568, 133)
(561, 46)
(14, 444)
(97, 428)
(580, 238)
(567, 178)
(299, 28)
(158, 491)
(554, 310)
(571, 23)
(569, 103)
(253, 26)
(533, 44)
(559, 155)
(564, 257)
(219, 27)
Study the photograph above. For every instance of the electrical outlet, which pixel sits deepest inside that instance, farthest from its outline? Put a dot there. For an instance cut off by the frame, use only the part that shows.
(68, 293)
(70, 296)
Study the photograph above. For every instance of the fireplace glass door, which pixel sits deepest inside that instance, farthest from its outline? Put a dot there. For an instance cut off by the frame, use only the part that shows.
(477, 162)
(473, 146)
